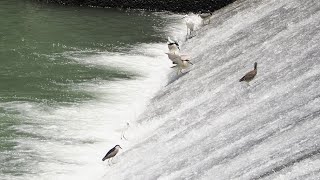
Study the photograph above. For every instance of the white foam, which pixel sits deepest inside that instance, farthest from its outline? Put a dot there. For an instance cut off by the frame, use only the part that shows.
(207, 125)
(70, 141)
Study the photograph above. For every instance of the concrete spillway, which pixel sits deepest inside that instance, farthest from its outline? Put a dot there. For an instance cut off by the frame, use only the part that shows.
(207, 125)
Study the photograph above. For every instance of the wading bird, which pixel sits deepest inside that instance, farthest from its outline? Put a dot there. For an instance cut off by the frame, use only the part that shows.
(173, 46)
(190, 25)
(124, 131)
(111, 153)
(181, 61)
(250, 75)
(205, 16)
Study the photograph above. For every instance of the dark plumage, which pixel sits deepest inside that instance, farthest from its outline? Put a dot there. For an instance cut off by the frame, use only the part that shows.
(111, 153)
(205, 15)
(172, 44)
(250, 75)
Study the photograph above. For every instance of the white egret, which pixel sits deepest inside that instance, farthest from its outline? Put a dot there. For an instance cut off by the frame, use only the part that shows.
(190, 25)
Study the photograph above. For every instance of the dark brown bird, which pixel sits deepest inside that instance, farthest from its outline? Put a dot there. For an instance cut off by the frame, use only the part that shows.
(111, 153)
(250, 75)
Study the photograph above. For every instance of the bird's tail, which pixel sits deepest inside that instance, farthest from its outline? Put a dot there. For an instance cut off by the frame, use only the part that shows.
(104, 158)
(242, 79)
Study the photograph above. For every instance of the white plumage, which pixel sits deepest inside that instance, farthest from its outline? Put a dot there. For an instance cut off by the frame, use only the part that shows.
(181, 61)
(190, 24)
(173, 46)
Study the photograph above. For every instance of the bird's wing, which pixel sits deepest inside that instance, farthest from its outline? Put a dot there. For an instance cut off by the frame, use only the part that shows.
(242, 79)
(175, 60)
(173, 41)
(249, 75)
(173, 56)
(190, 23)
(108, 153)
(176, 43)
(185, 57)
(205, 15)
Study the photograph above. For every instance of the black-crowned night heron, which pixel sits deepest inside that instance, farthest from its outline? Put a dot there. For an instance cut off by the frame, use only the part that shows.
(250, 75)
(205, 16)
(111, 153)
(173, 46)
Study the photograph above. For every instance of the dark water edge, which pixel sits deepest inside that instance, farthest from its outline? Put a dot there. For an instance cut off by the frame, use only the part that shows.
(167, 5)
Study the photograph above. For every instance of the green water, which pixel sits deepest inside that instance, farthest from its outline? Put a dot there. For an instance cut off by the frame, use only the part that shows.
(33, 36)
(36, 42)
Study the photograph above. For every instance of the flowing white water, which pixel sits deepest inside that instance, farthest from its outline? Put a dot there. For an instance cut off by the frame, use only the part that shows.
(70, 141)
(207, 125)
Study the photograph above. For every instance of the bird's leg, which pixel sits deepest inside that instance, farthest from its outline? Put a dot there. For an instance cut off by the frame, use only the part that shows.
(123, 137)
(109, 162)
(187, 34)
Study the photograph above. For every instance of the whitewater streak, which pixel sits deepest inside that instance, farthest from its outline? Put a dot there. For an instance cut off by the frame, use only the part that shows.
(207, 125)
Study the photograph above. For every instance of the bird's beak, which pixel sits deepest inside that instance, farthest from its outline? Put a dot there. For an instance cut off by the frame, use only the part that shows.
(120, 147)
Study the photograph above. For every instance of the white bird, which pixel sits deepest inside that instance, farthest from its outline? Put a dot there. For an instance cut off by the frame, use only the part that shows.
(173, 46)
(205, 16)
(181, 61)
(190, 24)
(124, 131)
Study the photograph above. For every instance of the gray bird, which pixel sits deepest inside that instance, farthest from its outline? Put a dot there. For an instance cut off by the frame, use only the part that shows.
(250, 75)
(111, 153)
(205, 16)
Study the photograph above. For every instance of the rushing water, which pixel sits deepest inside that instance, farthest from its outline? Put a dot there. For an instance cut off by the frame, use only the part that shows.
(70, 79)
(207, 125)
